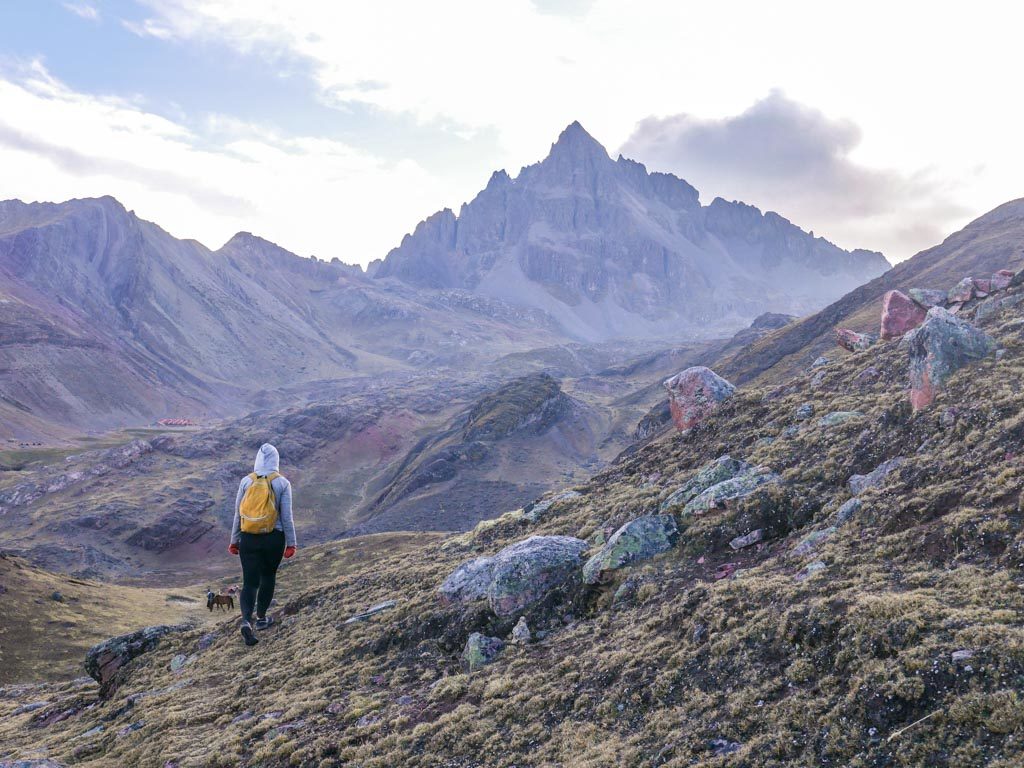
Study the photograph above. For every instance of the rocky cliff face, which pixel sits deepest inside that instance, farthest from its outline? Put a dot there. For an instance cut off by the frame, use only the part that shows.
(611, 250)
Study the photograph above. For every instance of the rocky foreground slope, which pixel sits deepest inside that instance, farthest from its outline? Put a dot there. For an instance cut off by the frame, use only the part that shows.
(814, 574)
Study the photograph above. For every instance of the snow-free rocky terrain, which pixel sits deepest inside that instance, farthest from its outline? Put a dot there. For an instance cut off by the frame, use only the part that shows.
(110, 322)
(821, 571)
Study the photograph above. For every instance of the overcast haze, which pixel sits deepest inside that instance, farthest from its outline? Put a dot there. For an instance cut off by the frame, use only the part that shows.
(332, 128)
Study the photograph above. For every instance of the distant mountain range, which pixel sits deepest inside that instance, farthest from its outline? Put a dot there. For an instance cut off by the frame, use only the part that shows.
(108, 321)
(610, 250)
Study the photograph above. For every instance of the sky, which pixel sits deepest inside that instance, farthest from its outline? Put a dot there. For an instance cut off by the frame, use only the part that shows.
(332, 127)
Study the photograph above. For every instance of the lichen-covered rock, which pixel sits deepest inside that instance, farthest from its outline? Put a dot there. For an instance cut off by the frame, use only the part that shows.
(838, 417)
(521, 632)
(537, 509)
(805, 411)
(722, 468)
(468, 582)
(993, 305)
(860, 483)
(748, 540)
(820, 361)
(729, 491)
(812, 541)
(481, 650)
(637, 540)
(104, 660)
(847, 511)
(694, 393)
(809, 570)
(524, 573)
(927, 297)
(961, 292)
(853, 341)
(942, 345)
(900, 315)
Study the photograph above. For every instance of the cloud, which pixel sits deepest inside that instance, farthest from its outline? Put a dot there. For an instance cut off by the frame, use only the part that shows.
(84, 10)
(308, 193)
(786, 156)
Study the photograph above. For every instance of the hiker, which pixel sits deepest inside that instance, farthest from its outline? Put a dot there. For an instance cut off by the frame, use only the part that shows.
(262, 532)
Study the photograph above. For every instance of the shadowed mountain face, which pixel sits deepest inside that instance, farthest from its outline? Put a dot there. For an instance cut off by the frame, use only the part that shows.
(610, 250)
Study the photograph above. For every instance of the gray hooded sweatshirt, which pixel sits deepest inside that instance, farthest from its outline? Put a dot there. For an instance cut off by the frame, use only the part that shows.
(267, 461)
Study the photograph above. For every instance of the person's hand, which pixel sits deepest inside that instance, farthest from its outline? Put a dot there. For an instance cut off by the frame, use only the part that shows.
(233, 549)
(289, 552)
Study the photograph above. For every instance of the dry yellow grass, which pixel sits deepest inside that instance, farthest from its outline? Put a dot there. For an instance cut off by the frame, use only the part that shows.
(851, 666)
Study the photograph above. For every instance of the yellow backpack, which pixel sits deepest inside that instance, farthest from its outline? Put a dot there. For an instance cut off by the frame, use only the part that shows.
(258, 511)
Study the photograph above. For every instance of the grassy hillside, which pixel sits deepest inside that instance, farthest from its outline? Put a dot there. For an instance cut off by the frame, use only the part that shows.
(989, 243)
(897, 642)
(47, 622)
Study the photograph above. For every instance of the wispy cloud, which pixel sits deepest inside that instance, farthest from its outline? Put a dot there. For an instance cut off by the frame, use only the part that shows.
(84, 10)
(789, 157)
(310, 194)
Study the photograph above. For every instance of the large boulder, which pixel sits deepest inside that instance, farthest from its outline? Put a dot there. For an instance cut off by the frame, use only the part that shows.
(468, 582)
(942, 345)
(637, 540)
(853, 341)
(928, 297)
(694, 393)
(104, 660)
(961, 292)
(526, 572)
(723, 468)
(730, 491)
(900, 315)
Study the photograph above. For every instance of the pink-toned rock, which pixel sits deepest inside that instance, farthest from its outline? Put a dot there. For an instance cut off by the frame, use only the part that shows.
(900, 314)
(961, 292)
(982, 287)
(694, 393)
(854, 341)
(1000, 281)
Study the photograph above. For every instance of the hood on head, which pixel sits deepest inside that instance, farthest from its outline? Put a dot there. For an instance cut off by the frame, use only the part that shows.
(267, 460)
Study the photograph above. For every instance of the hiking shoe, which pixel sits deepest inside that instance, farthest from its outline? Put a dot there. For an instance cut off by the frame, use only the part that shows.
(248, 635)
(263, 623)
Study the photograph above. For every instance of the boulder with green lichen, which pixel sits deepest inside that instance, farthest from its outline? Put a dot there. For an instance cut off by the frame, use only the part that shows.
(637, 540)
(721, 469)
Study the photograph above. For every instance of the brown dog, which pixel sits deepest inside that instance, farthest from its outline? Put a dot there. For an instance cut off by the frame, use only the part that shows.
(220, 601)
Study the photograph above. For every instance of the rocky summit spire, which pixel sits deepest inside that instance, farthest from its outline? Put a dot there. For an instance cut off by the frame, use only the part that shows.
(574, 143)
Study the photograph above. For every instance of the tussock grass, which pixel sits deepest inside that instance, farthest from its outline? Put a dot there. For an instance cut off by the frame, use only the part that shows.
(850, 667)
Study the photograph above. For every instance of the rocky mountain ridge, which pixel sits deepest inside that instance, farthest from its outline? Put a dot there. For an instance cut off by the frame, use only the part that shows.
(611, 250)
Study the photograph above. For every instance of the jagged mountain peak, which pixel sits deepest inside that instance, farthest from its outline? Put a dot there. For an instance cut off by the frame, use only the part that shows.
(574, 154)
(612, 250)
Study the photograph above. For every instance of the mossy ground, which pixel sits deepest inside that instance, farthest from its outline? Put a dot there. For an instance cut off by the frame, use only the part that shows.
(851, 666)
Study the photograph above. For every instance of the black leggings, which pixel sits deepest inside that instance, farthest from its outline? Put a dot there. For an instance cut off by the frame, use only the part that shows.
(260, 554)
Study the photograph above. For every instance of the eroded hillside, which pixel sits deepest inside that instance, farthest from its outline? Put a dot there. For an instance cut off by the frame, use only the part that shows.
(875, 623)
